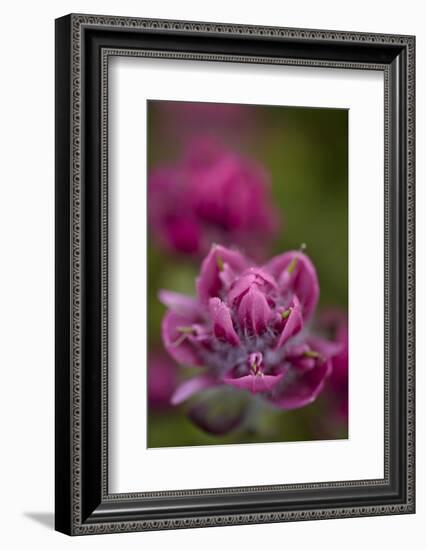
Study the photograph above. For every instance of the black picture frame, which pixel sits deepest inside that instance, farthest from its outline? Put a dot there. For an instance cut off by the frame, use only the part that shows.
(83, 45)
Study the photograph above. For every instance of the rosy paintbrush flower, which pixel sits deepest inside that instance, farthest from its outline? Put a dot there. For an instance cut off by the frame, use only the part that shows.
(212, 194)
(246, 329)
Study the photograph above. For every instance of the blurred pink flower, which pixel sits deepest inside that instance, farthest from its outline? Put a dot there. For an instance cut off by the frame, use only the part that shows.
(212, 194)
(189, 118)
(247, 329)
(162, 379)
(335, 322)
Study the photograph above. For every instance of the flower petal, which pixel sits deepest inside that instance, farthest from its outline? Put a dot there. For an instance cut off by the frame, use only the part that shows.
(254, 312)
(180, 303)
(222, 322)
(295, 272)
(254, 383)
(301, 389)
(177, 342)
(263, 277)
(209, 282)
(293, 324)
(254, 275)
(191, 386)
(240, 286)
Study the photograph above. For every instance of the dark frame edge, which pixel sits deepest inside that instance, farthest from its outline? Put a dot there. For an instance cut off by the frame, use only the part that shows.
(63, 493)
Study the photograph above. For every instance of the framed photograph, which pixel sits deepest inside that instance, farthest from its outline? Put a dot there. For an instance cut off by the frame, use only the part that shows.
(234, 274)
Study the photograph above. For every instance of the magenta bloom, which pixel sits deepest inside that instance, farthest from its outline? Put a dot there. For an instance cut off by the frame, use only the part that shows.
(246, 329)
(211, 195)
(162, 380)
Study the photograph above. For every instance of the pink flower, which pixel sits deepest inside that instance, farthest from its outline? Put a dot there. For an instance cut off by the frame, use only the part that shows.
(212, 194)
(246, 329)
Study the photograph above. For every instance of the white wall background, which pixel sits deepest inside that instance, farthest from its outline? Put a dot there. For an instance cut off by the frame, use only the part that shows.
(26, 289)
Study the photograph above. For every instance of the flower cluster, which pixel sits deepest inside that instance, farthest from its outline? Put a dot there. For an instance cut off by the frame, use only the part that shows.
(247, 329)
(211, 195)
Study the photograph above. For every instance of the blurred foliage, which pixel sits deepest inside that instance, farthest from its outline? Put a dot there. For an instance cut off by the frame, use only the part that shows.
(305, 151)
